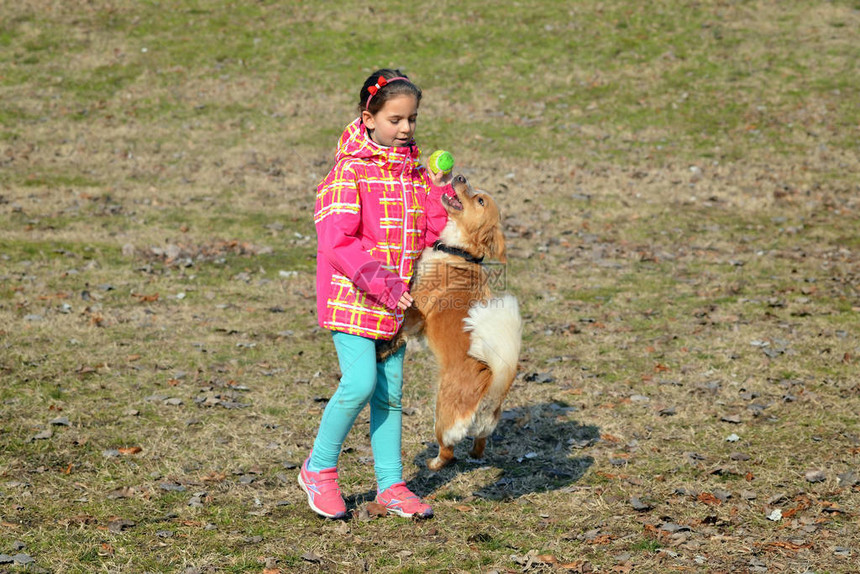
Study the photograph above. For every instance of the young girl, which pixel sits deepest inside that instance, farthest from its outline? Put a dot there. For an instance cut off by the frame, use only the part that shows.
(375, 212)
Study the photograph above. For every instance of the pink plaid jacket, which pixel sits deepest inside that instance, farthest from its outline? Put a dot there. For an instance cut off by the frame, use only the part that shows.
(375, 212)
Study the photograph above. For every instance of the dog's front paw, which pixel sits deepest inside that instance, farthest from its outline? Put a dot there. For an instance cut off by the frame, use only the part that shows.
(437, 463)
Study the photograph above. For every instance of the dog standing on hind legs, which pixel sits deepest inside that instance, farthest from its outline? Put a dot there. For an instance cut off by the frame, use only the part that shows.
(474, 335)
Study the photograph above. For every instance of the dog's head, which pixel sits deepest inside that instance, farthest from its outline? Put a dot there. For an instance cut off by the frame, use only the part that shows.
(474, 223)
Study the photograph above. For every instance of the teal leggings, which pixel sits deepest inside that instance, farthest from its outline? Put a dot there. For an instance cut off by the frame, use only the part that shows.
(364, 381)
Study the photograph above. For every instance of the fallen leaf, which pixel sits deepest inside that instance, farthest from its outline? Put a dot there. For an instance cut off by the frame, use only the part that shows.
(145, 298)
(722, 495)
(815, 476)
(724, 471)
(785, 545)
(79, 519)
(830, 507)
(44, 435)
(673, 527)
(126, 492)
(541, 378)
(580, 566)
(214, 477)
(848, 478)
(120, 524)
(126, 450)
(601, 539)
(23, 559)
(709, 499)
(312, 557)
(362, 514)
(776, 498)
(693, 457)
(640, 505)
(376, 510)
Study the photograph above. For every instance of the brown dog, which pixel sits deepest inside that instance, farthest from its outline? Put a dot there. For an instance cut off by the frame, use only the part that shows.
(474, 336)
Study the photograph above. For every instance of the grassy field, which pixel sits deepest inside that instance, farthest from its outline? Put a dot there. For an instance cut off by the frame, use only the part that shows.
(680, 189)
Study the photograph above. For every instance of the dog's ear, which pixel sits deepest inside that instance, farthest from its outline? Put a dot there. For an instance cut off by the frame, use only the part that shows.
(501, 249)
(494, 240)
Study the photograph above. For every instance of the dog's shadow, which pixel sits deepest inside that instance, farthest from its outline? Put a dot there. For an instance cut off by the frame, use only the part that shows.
(537, 448)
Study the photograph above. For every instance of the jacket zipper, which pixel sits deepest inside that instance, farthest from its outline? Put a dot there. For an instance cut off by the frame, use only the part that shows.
(405, 224)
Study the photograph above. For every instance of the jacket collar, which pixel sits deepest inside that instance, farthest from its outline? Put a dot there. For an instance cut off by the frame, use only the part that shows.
(356, 143)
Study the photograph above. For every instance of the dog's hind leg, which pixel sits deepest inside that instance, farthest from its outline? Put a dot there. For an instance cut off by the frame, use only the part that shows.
(478, 445)
(485, 427)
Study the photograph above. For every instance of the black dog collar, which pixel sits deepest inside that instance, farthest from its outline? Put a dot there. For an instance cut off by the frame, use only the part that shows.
(439, 246)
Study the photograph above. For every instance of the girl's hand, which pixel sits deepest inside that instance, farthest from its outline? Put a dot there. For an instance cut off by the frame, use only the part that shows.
(440, 179)
(405, 301)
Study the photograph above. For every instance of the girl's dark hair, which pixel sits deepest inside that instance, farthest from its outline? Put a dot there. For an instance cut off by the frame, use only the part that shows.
(396, 88)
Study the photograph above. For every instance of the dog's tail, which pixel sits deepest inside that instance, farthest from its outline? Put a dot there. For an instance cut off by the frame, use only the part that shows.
(496, 335)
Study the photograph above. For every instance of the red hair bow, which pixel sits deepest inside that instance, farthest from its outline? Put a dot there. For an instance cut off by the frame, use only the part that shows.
(380, 83)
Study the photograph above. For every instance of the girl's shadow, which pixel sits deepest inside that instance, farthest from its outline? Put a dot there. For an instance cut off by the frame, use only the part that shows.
(536, 448)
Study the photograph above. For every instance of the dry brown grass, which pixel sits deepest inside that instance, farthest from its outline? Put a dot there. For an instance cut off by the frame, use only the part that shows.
(687, 267)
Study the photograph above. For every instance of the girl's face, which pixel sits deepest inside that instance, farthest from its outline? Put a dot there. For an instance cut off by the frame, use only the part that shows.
(394, 124)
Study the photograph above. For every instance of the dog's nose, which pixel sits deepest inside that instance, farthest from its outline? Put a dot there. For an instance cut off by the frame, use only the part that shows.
(460, 179)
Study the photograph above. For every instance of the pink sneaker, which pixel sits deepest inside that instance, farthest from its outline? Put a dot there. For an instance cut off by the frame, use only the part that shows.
(403, 502)
(323, 491)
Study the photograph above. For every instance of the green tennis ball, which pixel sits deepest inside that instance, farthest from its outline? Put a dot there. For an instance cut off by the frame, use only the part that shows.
(440, 160)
